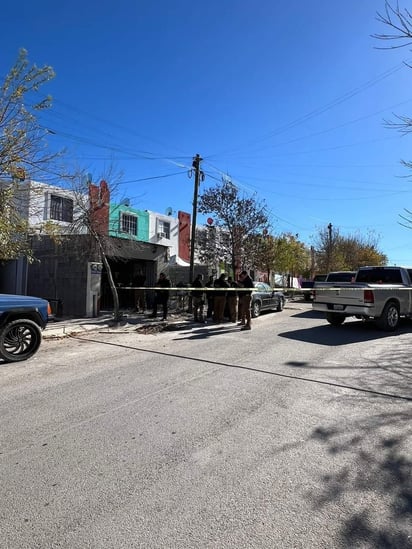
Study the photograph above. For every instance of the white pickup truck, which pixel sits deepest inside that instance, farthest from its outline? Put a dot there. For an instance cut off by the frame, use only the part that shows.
(379, 294)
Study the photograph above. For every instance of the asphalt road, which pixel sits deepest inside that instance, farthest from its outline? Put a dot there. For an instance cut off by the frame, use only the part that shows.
(293, 435)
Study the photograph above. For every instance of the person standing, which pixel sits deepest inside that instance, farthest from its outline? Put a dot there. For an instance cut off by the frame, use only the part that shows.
(161, 296)
(209, 297)
(181, 296)
(231, 299)
(198, 301)
(219, 299)
(245, 297)
(139, 293)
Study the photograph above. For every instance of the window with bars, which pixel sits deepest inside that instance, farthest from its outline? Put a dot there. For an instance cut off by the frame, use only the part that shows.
(61, 208)
(163, 229)
(128, 224)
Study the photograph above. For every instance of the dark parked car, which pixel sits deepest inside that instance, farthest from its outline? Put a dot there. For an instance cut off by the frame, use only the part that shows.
(22, 319)
(265, 298)
(307, 286)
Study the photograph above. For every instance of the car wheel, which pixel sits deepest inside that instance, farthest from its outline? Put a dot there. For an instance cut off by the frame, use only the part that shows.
(19, 340)
(255, 309)
(389, 319)
(334, 319)
(280, 305)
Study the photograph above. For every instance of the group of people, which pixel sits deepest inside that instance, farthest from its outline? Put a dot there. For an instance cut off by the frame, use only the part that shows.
(223, 296)
(161, 294)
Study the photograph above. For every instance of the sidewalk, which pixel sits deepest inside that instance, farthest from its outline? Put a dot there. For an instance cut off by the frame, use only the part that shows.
(64, 327)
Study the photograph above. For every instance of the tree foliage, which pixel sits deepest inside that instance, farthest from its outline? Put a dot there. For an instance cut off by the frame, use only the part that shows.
(336, 252)
(283, 254)
(14, 229)
(292, 256)
(22, 148)
(213, 246)
(22, 137)
(236, 218)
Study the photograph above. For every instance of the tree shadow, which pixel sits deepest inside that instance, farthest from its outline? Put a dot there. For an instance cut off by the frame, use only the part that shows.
(389, 370)
(376, 478)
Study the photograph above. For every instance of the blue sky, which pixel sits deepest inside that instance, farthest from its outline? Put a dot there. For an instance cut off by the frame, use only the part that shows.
(287, 98)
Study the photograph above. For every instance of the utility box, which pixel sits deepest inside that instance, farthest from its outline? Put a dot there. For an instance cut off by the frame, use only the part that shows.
(94, 277)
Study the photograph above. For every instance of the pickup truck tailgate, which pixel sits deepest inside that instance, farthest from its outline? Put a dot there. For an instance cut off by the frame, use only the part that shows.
(340, 295)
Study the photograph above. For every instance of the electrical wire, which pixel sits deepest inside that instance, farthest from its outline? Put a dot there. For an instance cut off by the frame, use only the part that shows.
(316, 112)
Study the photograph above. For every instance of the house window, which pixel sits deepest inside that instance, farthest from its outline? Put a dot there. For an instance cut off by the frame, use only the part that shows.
(128, 224)
(61, 209)
(163, 229)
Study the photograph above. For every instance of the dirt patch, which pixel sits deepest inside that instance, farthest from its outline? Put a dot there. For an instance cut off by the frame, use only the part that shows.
(151, 329)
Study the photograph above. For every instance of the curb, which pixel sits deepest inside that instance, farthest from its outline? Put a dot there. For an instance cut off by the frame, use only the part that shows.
(58, 329)
(61, 329)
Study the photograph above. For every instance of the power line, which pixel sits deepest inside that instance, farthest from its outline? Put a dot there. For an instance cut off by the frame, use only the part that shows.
(150, 178)
(114, 124)
(316, 112)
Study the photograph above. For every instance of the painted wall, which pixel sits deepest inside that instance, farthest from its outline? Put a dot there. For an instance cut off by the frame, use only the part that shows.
(156, 234)
(184, 236)
(34, 203)
(99, 197)
(115, 212)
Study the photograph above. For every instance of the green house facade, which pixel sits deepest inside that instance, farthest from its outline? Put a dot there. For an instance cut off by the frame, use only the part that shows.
(128, 222)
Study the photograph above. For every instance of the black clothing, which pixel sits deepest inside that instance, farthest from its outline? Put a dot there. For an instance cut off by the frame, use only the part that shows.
(162, 297)
(197, 284)
(220, 283)
(139, 294)
(198, 299)
(163, 282)
(139, 280)
(233, 284)
(246, 282)
(209, 297)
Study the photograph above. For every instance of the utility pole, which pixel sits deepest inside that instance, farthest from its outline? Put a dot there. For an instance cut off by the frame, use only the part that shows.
(312, 262)
(199, 176)
(329, 246)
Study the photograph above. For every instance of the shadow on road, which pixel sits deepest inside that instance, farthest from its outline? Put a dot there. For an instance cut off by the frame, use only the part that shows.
(378, 467)
(203, 333)
(369, 478)
(383, 393)
(309, 314)
(350, 332)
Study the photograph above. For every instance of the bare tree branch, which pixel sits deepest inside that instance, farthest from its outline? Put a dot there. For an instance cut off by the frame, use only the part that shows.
(400, 21)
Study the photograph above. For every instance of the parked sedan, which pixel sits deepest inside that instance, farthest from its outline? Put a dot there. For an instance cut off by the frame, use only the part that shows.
(265, 298)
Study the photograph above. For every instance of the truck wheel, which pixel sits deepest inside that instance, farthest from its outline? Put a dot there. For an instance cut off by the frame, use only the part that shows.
(255, 312)
(389, 319)
(19, 340)
(334, 319)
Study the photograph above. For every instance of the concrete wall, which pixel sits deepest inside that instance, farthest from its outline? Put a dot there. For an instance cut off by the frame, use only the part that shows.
(60, 274)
